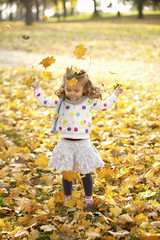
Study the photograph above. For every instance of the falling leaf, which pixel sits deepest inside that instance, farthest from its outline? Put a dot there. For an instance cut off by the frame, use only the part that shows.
(77, 71)
(47, 75)
(46, 62)
(80, 51)
(112, 73)
(69, 70)
(72, 82)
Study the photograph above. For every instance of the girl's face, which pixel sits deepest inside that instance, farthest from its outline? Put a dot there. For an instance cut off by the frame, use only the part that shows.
(74, 92)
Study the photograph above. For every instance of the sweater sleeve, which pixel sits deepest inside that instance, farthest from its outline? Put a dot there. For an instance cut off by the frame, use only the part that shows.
(104, 105)
(44, 100)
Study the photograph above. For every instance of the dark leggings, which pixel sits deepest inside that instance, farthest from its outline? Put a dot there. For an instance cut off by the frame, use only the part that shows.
(87, 184)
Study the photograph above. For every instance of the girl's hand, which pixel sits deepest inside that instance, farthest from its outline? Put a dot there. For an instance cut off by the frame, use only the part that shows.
(36, 84)
(118, 90)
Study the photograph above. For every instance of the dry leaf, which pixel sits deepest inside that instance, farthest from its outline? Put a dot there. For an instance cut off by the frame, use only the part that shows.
(46, 62)
(72, 82)
(80, 51)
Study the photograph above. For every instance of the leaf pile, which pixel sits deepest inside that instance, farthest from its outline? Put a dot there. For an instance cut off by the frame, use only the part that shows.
(126, 192)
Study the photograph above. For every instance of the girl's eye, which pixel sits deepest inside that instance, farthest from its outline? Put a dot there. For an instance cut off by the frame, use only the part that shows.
(76, 90)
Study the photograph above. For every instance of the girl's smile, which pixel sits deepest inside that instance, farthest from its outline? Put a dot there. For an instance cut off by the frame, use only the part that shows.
(74, 92)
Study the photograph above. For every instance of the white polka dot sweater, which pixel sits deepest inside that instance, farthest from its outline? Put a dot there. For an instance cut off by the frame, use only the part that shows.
(75, 121)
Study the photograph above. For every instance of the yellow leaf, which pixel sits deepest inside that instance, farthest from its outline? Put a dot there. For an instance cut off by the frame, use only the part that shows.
(140, 218)
(59, 197)
(77, 71)
(71, 203)
(80, 204)
(80, 51)
(29, 81)
(69, 70)
(42, 161)
(105, 172)
(46, 62)
(69, 175)
(72, 82)
(47, 75)
(2, 224)
(112, 73)
(86, 223)
(51, 203)
(116, 211)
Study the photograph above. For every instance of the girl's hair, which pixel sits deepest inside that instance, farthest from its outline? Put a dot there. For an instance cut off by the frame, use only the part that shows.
(90, 90)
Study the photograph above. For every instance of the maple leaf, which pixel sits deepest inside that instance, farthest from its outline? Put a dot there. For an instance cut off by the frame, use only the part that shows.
(42, 161)
(80, 51)
(72, 82)
(29, 81)
(46, 62)
(69, 175)
(69, 70)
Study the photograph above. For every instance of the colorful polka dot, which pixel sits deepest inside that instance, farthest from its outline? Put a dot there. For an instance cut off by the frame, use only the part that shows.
(38, 94)
(86, 131)
(83, 107)
(87, 115)
(114, 101)
(67, 107)
(45, 102)
(62, 114)
(60, 128)
(82, 122)
(78, 114)
(69, 129)
(56, 102)
(64, 121)
(89, 101)
(72, 114)
(105, 105)
(44, 96)
(51, 106)
(104, 109)
(76, 129)
(94, 104)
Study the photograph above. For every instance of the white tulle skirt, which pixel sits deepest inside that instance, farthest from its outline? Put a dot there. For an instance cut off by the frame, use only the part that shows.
(67, 154)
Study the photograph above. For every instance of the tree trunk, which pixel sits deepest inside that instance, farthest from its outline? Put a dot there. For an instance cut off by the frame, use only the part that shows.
(64, 8)
(96, 12)
(140, 5)
(37, 8)
(44, 6)
(29, 17)
(11, 14)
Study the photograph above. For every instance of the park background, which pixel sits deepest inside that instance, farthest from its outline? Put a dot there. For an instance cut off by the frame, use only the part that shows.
(123, 46)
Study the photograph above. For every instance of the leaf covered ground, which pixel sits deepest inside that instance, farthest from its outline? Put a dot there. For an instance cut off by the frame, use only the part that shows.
(126, 192)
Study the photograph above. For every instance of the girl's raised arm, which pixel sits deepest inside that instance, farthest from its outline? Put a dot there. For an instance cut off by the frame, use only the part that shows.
(109, 102)
(42, 98)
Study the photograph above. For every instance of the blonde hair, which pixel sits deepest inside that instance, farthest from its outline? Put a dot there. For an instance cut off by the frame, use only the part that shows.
(90, 89)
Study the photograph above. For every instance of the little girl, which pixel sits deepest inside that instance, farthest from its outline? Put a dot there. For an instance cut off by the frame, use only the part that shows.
(74, 121)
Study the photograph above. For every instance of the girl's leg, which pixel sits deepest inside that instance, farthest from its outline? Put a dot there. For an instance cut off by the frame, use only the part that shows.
(88, 187)
(67, 188)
